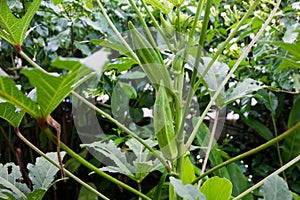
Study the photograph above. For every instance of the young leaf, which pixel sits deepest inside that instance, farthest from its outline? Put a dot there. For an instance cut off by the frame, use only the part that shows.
(158, 5)
(188, 191)
(188, 172)
(57, 1)
(10, 93)
(11, 114)
(51, 90)
(13, 29)
(217, 188)
(275, 188)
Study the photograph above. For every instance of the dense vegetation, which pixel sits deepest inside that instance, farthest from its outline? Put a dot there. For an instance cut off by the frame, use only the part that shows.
(213, 85)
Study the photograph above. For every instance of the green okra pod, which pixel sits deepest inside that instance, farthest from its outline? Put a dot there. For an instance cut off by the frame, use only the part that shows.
(163, 125)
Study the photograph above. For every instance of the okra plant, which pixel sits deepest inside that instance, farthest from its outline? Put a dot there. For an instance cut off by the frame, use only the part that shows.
(168, 58)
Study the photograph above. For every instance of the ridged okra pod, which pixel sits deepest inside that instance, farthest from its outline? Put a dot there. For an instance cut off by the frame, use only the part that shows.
(163, 125)
(149, 59)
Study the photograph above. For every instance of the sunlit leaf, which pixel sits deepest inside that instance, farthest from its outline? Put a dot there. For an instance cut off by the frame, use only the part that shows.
(10, 93)
(13, 29)
(11, 114)
(51, 90)
(217, 188)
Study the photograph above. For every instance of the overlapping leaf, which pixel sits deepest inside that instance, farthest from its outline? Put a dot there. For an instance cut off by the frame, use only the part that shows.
(11, 114)
(51, 90)
(41, 174)
(13, 29)
(10, 93)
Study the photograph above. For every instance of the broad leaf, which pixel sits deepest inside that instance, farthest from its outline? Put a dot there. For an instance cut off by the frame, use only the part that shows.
(217, 188)
(188, 172)
(9, 176)
(291, 147)
(10, 93)
(136, 166)
(275, 188)
(11, 114)
(242, 89)
(238, 180)
(51, 90)
(42, 172)
(188, 192)
(13, 29)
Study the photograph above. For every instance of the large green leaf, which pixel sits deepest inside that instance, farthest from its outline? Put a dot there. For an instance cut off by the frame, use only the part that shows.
(275, 188)
(217, 188)
(10, 93)
(51, 90)
(13, 29)
(11, 114)
(291, 147)
(189, 192)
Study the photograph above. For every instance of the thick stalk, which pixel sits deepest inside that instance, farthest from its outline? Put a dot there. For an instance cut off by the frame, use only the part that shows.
(252, 151)
(211, 140)
(257, 185)
(19, 134)
(216, 55)
(90, 166)
(218, 91)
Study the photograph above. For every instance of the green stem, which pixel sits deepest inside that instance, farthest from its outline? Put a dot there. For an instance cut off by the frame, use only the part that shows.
(219, 51)
(19, 134)
(211, 140)
(156, 25)
(113, 27)
(141, 18)
(257, 185)
(91, 166)
(252, 151)
(218, 91)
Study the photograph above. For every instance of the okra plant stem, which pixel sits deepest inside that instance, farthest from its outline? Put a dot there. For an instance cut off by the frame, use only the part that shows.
(218, 91)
